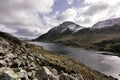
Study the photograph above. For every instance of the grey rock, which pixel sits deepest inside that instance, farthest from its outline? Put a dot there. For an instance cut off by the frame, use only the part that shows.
(45, 74)
(64, 76)
(2, 63)
(9, 74)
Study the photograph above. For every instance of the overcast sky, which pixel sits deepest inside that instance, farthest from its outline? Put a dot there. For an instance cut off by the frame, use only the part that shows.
(31, 18)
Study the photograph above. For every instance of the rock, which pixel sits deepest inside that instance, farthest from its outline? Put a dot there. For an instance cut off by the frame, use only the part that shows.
(5, 76)
(9, 74)
(23, 74)
(31, 58)
(2, 54)
(54, 71)
(45, 74)
(10, 55)
(14, 65)
(2, 63)
(76, 77)
(64, 76)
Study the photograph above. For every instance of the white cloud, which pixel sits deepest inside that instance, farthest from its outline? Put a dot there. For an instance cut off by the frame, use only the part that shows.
(92, 12)
(97, 10)
(23, 14)
(7, 29)
(68, 15)
(70, 1)
(22, 17)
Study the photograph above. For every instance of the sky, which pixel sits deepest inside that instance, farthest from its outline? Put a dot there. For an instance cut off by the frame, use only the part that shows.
(31, 18)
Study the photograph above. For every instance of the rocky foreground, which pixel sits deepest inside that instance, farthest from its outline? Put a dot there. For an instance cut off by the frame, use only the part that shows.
(22, 61)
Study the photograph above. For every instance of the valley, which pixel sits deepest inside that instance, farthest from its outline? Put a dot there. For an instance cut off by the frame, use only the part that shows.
(105, 38)
(20, 60)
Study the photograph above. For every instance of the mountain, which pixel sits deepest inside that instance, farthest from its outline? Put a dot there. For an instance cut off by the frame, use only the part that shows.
(61, 30)
(89, 38)
(107, 23)
(20, 60)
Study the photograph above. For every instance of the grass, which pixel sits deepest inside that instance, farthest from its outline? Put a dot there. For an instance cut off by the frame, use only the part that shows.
(59, 62)
(66, 64)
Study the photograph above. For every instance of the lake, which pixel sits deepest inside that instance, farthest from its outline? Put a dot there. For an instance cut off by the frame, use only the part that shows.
(104, 62)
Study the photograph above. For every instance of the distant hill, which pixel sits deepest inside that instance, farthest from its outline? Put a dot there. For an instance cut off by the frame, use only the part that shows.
(65, 28)
(107, 23)
(84, 37)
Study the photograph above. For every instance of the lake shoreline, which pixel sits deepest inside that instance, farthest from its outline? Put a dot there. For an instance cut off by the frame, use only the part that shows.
(94, 59)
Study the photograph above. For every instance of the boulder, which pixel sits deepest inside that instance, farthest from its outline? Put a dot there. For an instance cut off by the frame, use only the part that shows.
(64, 76)
(23, 74)
(9, 74)
(45, 74)
(2, 63)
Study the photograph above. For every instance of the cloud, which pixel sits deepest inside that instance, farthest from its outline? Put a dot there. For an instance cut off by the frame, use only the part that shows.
(7, 29)
(35, 17)
(68, 15)
(92, 12)
(70, 1)
(23, 14)
(97, 10)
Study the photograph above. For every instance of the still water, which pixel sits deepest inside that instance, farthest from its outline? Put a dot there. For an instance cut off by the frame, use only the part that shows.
(104, 62)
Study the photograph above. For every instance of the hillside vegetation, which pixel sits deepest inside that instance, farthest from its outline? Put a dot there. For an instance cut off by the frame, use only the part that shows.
(101, 39)
(22, 61)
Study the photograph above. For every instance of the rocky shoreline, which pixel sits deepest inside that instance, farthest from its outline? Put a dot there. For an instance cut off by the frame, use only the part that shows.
(29, 62)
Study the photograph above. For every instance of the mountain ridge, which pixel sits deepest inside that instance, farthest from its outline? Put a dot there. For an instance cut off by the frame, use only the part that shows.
(107, 23)
(64, 28)
(85, 37)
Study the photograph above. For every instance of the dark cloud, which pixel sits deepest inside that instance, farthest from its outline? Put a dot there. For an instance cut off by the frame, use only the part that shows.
(21, 16)
(95, 8)
(68, 15)
(23, 32)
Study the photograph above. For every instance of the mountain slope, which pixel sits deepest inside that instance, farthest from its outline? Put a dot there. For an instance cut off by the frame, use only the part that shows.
(61, 30)
(88, 37)
(29, 62)
(107, 23)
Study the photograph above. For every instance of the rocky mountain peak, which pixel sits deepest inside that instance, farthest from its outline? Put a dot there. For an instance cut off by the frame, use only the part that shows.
(65, 26)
